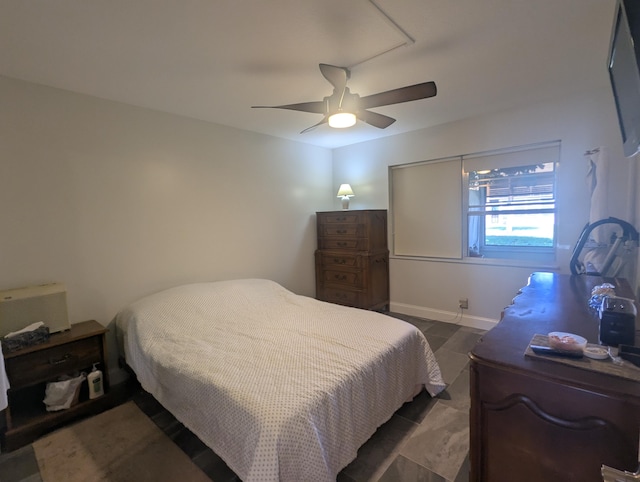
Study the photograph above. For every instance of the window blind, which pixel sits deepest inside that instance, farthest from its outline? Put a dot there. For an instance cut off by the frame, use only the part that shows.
(502, 160)
(426, 206)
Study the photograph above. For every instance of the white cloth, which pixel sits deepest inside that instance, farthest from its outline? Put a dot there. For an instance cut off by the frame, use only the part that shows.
(597, 180)
(60, 395)
(597, 175)
(4, 383)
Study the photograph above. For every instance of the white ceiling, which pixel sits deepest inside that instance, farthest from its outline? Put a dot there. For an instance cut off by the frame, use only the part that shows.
(214, 59)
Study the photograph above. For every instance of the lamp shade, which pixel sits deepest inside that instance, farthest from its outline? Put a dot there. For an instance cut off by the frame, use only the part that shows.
(345, 191)
(341, 120)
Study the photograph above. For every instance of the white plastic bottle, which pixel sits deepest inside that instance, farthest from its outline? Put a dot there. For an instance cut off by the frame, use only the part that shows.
(94, 379)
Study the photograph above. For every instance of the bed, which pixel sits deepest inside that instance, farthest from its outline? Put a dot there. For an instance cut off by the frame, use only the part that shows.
(282, 387)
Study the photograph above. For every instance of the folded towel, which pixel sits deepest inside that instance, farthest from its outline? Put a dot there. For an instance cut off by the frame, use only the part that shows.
(31, 327)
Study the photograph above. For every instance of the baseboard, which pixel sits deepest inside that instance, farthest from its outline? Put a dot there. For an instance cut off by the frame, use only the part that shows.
(446, 316)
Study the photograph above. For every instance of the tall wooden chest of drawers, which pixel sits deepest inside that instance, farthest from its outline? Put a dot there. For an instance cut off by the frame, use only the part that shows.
(352, 259)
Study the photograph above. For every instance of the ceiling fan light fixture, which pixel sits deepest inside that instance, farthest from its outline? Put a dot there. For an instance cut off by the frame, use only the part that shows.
(339, 109)
(341, 120)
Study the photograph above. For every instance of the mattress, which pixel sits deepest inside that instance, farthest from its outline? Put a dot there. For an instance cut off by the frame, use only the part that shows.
(281, 386)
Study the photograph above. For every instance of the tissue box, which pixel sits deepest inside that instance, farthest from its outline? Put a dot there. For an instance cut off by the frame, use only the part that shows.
(23, 340)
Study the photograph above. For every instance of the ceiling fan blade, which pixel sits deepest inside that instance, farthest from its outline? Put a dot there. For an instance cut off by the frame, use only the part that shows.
(337, 76)
(376, 120)
(397, 96)
(316, 107)
(315, 125)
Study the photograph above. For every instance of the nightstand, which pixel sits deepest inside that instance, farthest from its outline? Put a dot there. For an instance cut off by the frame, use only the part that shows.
(29, 369)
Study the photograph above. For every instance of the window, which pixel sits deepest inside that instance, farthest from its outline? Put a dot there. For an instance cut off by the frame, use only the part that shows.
(511, 207)
(500, 204)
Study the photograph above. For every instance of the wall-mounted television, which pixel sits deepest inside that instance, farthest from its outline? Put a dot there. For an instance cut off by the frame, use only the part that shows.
(624, 72)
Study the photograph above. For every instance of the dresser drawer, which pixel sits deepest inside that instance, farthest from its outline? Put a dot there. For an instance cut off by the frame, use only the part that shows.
(341, 296)
(342, 230)
(347, 244)
(350, 217)
(48, 364)
(355, 231)
(347, 278)
(339, 259)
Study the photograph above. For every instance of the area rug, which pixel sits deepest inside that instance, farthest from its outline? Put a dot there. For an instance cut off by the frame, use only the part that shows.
(119, 445)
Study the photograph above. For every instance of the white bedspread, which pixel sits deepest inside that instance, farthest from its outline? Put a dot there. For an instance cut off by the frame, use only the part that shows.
(282, 387)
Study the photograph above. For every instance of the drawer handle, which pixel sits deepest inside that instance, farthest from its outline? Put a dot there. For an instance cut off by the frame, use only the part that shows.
(58, 361)
(342, 218)
(340, 277)
(339, 260)
(342, 244)
(341, 231)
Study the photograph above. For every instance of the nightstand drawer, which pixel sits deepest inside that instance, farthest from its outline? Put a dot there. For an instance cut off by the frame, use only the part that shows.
(48, 364)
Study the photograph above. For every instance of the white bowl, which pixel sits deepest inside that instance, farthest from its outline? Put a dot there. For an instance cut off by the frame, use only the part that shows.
(560, 340)
(596, 352)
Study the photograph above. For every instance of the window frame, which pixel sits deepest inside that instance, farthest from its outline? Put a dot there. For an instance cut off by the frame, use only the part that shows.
(523, 253)
(409, 208)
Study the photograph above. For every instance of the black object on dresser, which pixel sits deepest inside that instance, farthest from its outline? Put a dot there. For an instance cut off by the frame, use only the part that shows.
(352, 259)
(29, 369)
(538, 420)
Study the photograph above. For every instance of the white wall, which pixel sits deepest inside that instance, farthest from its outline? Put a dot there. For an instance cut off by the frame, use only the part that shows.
(433, 288)
(118, 202)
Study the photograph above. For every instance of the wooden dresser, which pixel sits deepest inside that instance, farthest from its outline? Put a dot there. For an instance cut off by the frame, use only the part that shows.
(535, 420)
(352, 259)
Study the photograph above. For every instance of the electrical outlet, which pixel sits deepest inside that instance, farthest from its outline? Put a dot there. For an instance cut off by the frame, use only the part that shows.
(463, 303)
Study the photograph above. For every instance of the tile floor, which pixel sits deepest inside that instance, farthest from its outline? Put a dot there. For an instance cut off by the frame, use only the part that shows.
(427, 440)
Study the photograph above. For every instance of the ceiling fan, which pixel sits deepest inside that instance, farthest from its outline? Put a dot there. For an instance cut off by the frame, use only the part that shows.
(342, 108)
